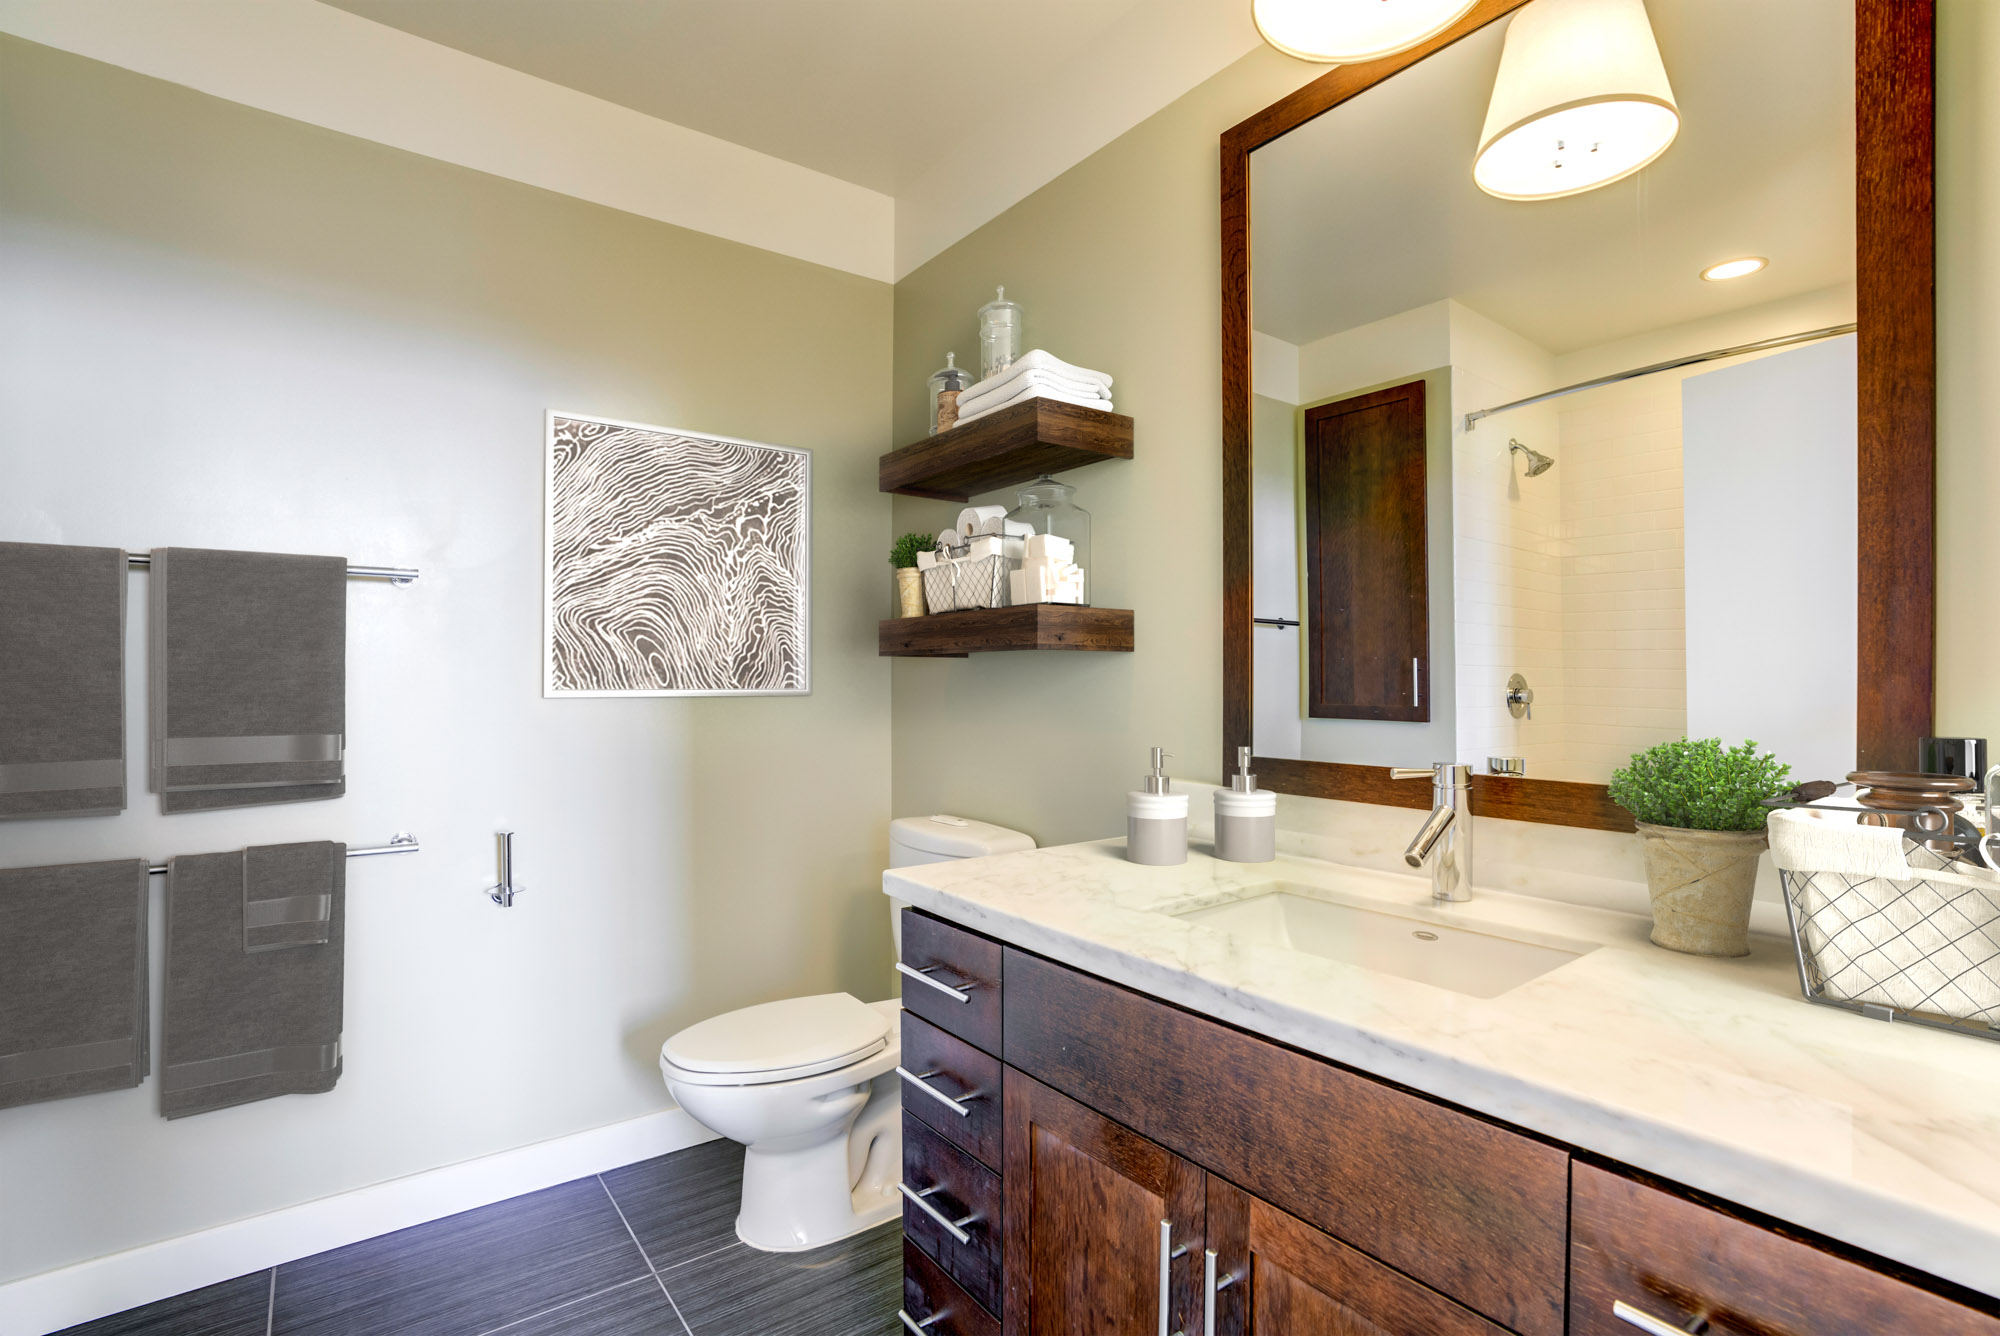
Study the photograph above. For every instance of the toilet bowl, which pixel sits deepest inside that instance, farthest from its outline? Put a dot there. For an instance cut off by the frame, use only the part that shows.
(809, 1086)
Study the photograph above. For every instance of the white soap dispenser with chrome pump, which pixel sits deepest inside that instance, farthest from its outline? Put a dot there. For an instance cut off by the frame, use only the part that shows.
(1156, 819)
(1246, 817)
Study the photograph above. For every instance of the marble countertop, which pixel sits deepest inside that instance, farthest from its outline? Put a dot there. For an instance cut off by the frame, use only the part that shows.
(1712, 1073)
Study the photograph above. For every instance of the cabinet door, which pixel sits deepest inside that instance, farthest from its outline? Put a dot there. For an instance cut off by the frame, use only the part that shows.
(1101, 1224)
(1275, 1275)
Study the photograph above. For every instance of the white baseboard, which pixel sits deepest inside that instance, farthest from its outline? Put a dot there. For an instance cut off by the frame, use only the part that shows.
(56, 1299)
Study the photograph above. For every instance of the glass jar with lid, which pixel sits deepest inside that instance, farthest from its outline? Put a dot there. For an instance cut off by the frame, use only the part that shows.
(946, 383)
(999, 335)
(1049, 507)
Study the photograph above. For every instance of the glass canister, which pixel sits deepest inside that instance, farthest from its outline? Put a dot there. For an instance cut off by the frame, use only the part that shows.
(1057, 568)
(946, 383)
(999, 335)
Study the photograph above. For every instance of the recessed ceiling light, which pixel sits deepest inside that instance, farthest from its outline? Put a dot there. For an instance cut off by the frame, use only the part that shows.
(1749, 264)
(1345, 32)
(1581, 100)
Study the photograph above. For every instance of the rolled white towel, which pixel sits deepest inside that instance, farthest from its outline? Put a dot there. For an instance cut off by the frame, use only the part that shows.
(1035, 392)
(1038, 360)
(1011, 383)
(973, 519)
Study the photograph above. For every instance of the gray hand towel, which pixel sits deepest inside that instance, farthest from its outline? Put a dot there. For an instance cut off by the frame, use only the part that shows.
(244, 1025)
(62, 680)
(288, 893)
(247, 678)
(73, 1017)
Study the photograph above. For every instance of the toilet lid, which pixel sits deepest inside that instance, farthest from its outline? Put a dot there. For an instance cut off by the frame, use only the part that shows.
(796, 1037)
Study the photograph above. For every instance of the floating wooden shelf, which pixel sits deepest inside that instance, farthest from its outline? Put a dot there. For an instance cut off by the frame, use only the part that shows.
(1014, 445)
(953, 635)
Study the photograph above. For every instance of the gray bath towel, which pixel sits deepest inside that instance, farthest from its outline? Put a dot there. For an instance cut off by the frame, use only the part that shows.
(288, 893)
(62, 680)
(244, 1025)
(73, 1018)
(247, 678)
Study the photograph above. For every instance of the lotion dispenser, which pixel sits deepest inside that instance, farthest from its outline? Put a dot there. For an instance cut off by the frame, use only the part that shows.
(1246, 817)
(1156, 819)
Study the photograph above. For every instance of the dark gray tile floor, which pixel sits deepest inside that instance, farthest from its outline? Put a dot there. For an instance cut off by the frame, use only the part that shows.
(647, 1250)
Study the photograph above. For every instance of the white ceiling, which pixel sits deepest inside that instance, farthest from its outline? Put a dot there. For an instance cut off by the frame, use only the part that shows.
(956, 109)
(1371, 210)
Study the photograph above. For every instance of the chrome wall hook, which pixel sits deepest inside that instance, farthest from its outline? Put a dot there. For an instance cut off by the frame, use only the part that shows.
(503, 893)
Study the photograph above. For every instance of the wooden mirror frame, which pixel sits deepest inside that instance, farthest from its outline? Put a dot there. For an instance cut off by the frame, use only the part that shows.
(1897, 440)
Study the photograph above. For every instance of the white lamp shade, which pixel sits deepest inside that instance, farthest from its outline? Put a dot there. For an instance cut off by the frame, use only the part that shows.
(1345, 32)
(1581, 100)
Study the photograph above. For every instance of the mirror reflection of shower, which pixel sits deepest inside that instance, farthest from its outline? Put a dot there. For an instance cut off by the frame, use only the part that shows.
(1538, 463)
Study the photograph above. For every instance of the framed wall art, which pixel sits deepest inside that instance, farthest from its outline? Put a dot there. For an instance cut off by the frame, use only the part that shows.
(676, 563)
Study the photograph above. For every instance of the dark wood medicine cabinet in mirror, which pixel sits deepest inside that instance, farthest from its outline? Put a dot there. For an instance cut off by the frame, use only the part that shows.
(1588, 477)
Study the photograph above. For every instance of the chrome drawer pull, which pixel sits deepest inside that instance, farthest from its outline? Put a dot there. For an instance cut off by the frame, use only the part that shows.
(1166, 1257)
(920, 1327)
(1654, 1326)
(924, 976)
(1211, 1287)
(953, 1227)
(917, 1079)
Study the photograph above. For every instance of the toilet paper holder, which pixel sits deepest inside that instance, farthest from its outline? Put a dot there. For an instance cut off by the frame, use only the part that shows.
(504, 892)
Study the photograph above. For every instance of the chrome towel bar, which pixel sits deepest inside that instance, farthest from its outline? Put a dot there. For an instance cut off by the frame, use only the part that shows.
(401, 843)
(395, 575)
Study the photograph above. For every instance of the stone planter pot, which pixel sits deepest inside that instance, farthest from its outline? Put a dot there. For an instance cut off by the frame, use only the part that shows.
(1701, 882)
(909, 591)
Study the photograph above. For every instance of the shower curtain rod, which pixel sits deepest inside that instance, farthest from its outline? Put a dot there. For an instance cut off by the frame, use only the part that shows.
(398, 844)
(396, 575)
(1782, 341)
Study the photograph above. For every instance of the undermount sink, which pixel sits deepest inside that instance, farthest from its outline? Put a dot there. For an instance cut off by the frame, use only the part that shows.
(1476, 963)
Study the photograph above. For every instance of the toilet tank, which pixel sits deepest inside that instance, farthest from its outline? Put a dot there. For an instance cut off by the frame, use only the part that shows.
(940, 839)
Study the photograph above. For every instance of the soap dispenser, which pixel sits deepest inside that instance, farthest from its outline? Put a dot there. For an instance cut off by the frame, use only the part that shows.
(1246, 817)
(1156, 819)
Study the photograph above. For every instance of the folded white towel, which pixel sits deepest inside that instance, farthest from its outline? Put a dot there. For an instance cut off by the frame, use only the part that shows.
(1013, 379)
(1038, 360)
(1036, 392)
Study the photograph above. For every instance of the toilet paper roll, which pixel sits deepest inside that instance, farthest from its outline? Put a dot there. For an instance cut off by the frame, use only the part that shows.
(949, 539)
(1019, 530)
(972, 518)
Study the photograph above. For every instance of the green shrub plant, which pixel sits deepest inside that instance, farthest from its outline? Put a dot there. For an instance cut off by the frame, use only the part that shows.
(1697, 785)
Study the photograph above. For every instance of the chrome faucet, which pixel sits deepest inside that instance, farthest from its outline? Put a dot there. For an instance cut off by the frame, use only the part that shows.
(1446, 835)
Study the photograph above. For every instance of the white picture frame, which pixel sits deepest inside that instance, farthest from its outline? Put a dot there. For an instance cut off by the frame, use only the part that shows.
(674, 562)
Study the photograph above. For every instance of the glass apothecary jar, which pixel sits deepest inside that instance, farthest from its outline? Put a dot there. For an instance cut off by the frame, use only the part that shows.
(1059, 571)
(946, 384)
(999, 335)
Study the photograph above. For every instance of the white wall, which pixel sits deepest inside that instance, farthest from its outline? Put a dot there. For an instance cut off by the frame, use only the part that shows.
(1768, 450)
(222, 328)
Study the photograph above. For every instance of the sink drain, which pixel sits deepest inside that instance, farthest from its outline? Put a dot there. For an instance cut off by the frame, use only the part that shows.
(1422, 936)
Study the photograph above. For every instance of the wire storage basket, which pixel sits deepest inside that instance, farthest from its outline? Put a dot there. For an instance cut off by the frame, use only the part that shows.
(972, 582)
(1890, 930)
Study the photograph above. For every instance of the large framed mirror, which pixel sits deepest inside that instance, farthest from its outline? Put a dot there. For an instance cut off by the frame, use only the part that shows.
(1532, 483)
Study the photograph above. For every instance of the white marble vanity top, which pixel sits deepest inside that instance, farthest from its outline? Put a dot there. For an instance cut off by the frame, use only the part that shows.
(1712, 1073)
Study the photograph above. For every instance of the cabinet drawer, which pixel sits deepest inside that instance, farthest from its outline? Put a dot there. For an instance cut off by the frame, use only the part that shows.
(1674, 1260)
(1471, 1209)
(952, 961)
(966, 1193)
(942, 1065)
(930, 1296)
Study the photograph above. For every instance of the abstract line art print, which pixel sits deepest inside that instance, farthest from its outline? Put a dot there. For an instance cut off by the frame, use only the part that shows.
(678, 563)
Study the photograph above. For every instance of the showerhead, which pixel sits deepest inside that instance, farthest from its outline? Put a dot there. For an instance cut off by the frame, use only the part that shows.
(1538, 463)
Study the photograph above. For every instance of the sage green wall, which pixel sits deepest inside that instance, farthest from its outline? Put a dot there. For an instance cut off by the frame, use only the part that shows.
(222, 328)
(1116, 264)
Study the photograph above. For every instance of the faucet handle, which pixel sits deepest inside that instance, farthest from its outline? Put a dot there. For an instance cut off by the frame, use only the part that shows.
(1409, 772)
(1450, 774)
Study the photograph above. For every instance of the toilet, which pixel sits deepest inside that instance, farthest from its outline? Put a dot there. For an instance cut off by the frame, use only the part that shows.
(809, 1084)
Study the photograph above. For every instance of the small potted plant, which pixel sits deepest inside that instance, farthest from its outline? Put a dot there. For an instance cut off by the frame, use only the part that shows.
(910, 580)
(1700, 815)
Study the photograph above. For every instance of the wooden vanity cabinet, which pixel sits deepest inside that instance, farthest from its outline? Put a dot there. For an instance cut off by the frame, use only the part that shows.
(1335, 1204)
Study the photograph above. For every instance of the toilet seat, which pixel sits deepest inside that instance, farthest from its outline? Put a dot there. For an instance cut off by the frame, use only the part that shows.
(777, 1041)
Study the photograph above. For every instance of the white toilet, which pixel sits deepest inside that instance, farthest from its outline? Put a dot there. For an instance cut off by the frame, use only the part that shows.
(809, 1084)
